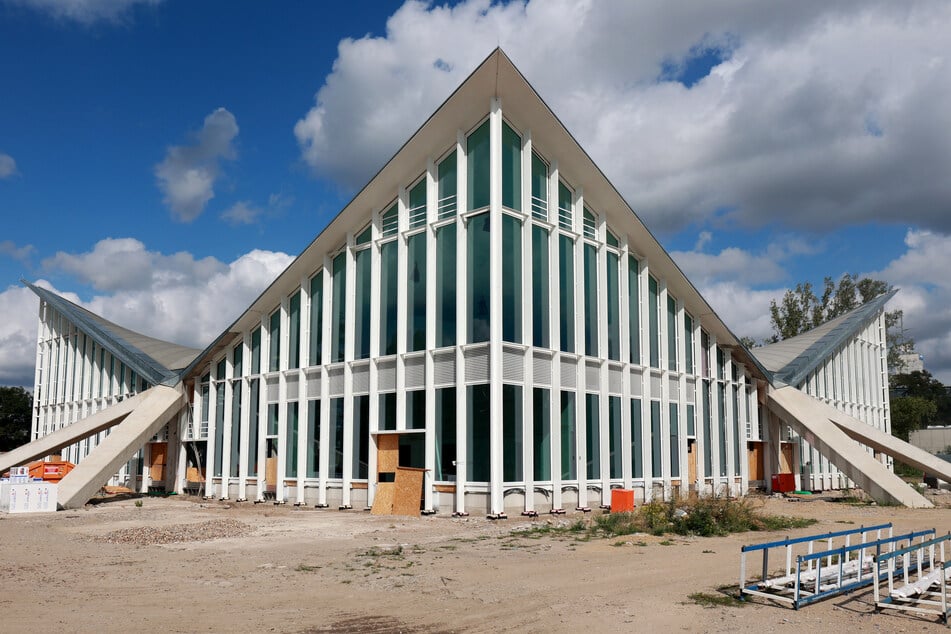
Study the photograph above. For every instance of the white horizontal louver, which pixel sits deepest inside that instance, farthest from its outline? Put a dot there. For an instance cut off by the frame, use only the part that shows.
(477, 365)
(541, 369)
(655, 386)
(361, 378)
(513, 365)
(444, 368)
(313, 386)
(415, 372)
(673, 387)
(386, 375)
(615, 379)
(636, 384)
(293, 386)
(273, 389)
(335, 375)
(569, 376)
(592, 376)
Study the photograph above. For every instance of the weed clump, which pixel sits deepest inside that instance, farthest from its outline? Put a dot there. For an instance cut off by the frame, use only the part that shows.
(695, 515)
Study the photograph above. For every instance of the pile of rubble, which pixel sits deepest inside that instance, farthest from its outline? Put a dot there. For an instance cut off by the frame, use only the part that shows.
(177, 533)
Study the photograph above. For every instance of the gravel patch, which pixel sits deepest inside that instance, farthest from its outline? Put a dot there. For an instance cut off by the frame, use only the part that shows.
(177, 533)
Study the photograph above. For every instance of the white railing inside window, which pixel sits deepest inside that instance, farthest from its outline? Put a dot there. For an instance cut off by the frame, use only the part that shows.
(539, 208)
(590, 231)
(390, 225)
(446, 207)
(417, 216)
(564, 217)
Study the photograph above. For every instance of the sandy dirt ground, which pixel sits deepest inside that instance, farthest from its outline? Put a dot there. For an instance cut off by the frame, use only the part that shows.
(284, 569)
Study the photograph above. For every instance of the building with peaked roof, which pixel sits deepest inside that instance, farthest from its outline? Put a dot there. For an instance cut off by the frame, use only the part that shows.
(487, 308)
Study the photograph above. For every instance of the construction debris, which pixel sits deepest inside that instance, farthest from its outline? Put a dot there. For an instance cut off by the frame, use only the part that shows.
(177, 533)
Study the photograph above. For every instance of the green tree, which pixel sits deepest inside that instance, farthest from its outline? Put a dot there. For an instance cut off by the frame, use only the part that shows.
(920, 384)
(16, 412)
(910, 413)
(801, 310)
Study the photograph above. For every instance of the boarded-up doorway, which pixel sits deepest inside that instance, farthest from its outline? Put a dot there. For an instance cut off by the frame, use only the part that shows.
(158, 457)
(787, 457)
(757, 457)
(691, 464)
(399, 473)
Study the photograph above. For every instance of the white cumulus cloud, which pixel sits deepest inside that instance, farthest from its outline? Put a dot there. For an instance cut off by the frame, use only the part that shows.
(8, 167)
(188, 173)
(817, 115)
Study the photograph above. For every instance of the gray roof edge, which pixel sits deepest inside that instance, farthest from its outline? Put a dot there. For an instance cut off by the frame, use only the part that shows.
(794, 372)
(139, 361)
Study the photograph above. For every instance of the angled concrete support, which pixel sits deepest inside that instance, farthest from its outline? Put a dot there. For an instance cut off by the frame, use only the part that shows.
(894, 447)
(160, 404)
(80, 430)
(812, 419)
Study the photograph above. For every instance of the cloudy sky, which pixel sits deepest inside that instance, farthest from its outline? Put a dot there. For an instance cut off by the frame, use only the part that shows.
(162, 161)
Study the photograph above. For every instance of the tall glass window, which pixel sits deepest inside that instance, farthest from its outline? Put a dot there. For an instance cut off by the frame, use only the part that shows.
(540, 282)
(633, 310)
(656, 467)
(565, 215)
(511, 168)
(446, 285)
(637, 443)
(388, 299)
(361, 437)
(316, 318)
(721, 425)
(707, 430)
(614, 436)
(417, 205)
(313, 438)
(290, 457)
(688, 345)
(512, 433)
(338, 311)
(691, 421)
(613, 307)
(541, 436)
(477, 167)
(479, 290)
(416, 409)
(416, 291)
(590, 300)
(674, 441)
(293, 344)
(652, 324)
(254, 419)
(593, 436)
(511, 279)
(539, 187)
(446, 434)
(671, 334)
(235, 462)
(335, 469)
(446, 186)
(361, 327)
(219, 417)
(274, 341)
(387, 413)
(256, 351)
(566, 287)
(569, 448)
(390, 221)
(736, 430)
(477, 442)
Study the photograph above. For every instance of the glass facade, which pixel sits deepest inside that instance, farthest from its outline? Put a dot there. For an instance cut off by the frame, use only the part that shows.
(541, 433)
(540, 294)
(511, 279)
(477, 165)
(479, 288)
(590, 300)
(361, 326)
(388, 297)
(566, 291)
(338, 310)
(445, 286)
(416, 292)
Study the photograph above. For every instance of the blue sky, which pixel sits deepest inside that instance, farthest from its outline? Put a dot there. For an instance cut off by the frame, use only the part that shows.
(162, 161)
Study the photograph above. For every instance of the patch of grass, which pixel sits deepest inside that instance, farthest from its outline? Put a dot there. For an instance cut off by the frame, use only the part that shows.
(306, 568)
(715, 600)
(694, 515)
(844, 522)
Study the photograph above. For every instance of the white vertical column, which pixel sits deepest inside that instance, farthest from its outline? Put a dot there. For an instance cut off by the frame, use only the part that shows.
(663, 341)
(728, 422)
(554, 337)
(647, 445)
(624, 314)
(325, 422)
(261, 449)
(375, 308)
(210, 490)
(402, 265)
(280, 493)
(245, 429)
(430, 433)
(581, 380)
(462, 322)
(528, 402)
(226, 437)
(348, 409)
(604, 405)
(496, 502)
(303, 403)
